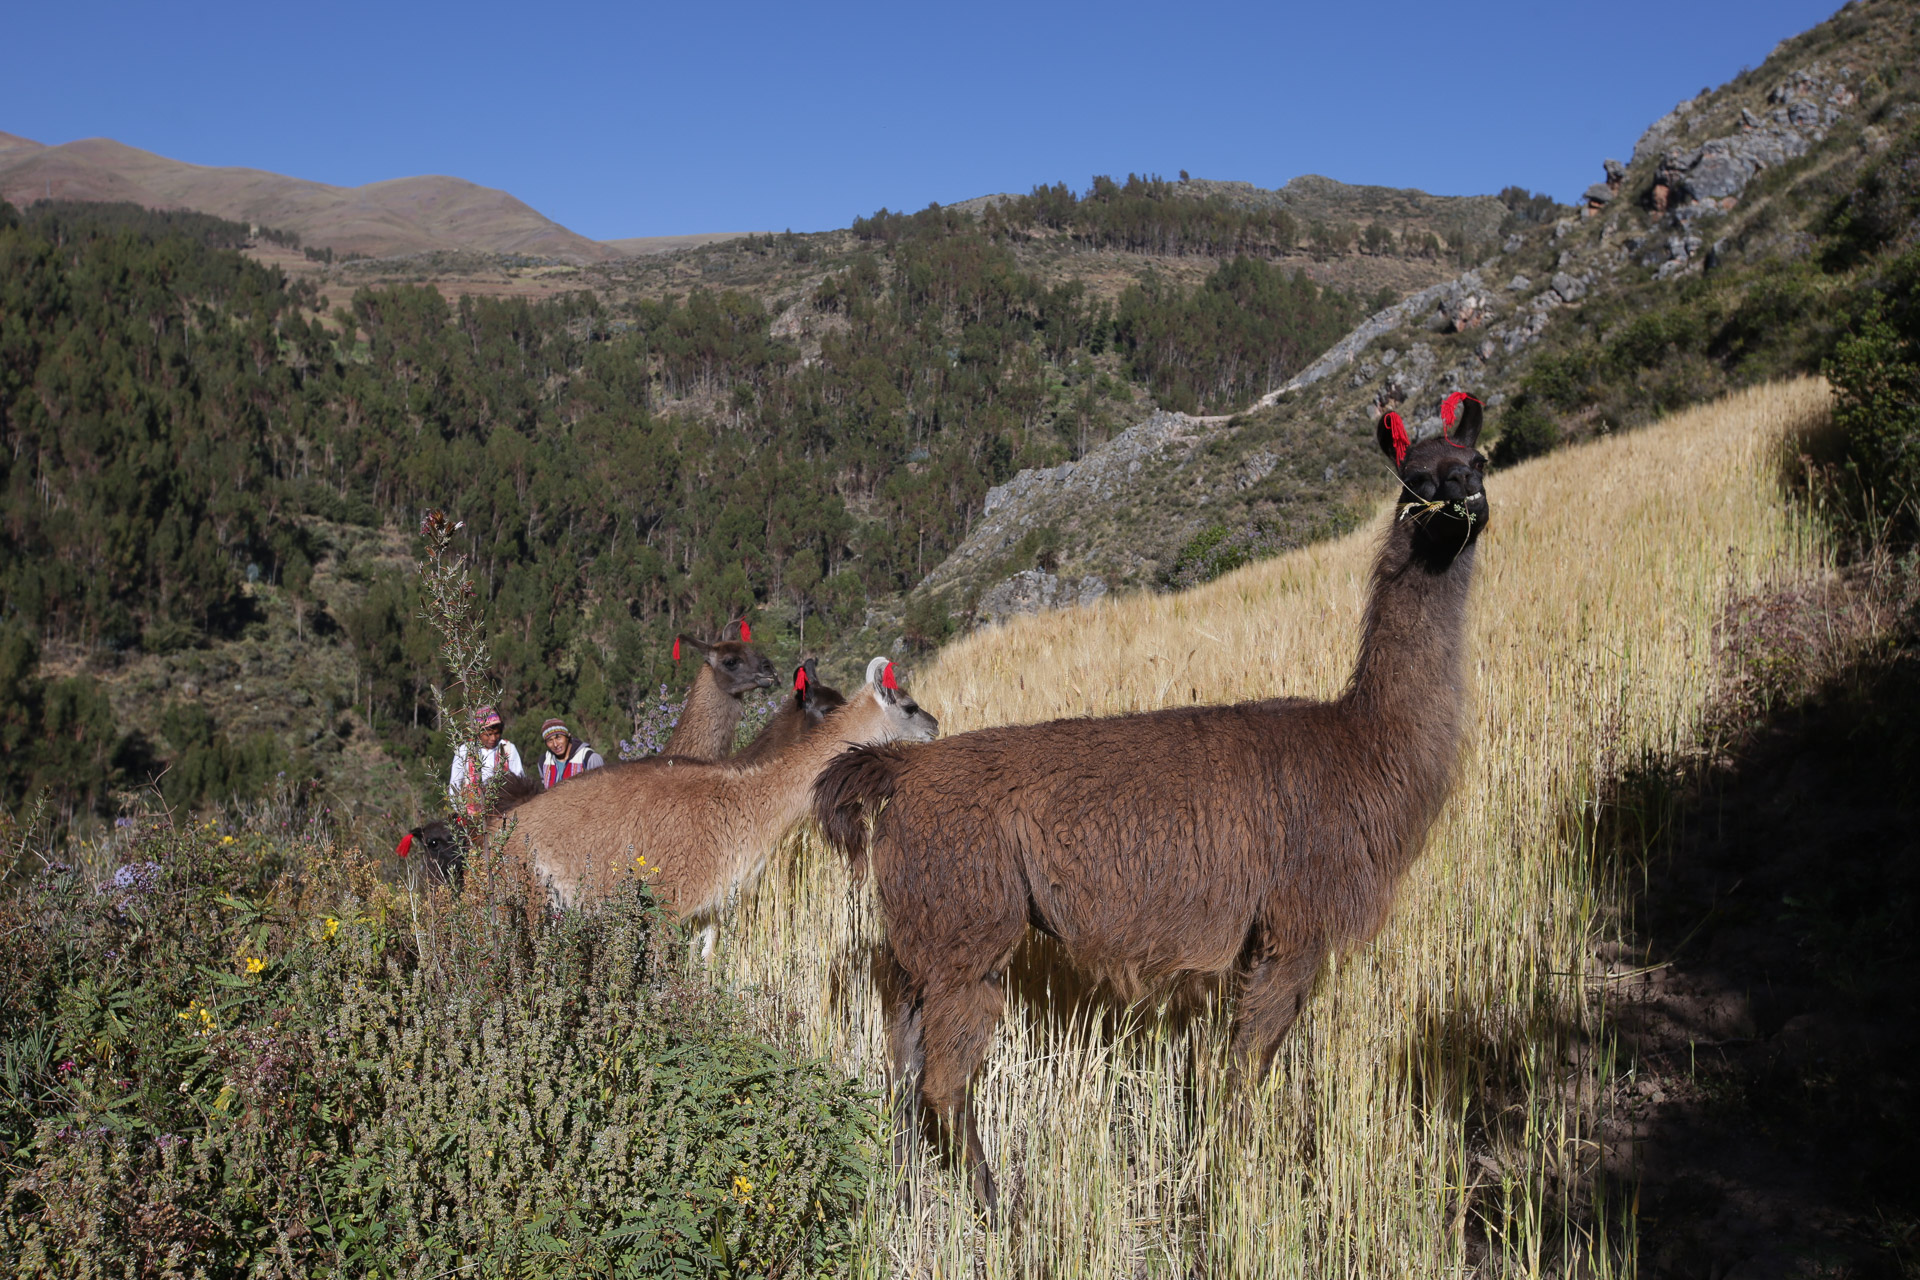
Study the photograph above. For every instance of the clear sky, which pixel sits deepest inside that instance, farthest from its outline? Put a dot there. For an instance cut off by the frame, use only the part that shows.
(652, 119)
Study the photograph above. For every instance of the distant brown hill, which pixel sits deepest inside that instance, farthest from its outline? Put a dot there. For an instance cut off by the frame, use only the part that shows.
(399, 216)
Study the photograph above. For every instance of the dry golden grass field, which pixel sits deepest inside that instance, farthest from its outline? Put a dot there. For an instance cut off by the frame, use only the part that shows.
(1434, 1112)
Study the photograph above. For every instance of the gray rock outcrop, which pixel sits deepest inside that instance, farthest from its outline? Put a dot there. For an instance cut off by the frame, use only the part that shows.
(1033, 590)
(1463, 302)
(1803, 107)
(1031, 499)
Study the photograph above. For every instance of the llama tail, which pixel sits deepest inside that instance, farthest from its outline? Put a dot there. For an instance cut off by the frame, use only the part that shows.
(851, 789)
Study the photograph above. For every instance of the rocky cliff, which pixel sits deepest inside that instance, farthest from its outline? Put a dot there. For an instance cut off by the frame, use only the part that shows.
(1737, 175)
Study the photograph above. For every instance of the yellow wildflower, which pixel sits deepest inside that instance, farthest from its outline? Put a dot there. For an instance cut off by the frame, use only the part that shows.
(226, 839)
(742, 1189)
(255, 964)
(196, 1010)
(330, 927)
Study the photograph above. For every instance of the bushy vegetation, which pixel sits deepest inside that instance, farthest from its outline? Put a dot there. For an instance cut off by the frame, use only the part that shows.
(1238, 335)
(1220, 549)
(1151, 215)
(1148, 215)
(234, 1050)
(58, 739)
(1875, 367)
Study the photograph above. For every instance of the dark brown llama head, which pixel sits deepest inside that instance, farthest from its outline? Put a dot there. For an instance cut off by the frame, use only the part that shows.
(437, 851)
(1442, 480)
(737, 665)
(816, 699)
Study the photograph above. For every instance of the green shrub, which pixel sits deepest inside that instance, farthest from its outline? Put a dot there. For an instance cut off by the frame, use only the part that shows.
(209, 1066)
(1220, 550)
(1526, 431)
(1876, 381)
(1884, 209)
(1566, 380)
(210, 768)
(927, 623)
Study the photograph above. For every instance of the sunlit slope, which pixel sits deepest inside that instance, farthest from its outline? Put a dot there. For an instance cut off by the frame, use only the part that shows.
(1614, 527)
(1379, 1147)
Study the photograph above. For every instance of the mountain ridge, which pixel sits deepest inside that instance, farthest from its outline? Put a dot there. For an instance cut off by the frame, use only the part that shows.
(391, 217)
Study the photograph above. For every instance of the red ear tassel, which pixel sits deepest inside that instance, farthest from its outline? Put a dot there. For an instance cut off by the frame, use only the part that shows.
(1450, 407)
(1401, 442)
(406, 844)
(746, 632)
(676, 648)
(886, 681)
(800, 680)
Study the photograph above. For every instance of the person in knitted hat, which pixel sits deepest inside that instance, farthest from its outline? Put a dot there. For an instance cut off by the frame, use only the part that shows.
(566, 756)
(472, 774)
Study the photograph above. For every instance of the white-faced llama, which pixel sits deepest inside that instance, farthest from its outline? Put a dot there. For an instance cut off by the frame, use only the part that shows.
(1250, 840)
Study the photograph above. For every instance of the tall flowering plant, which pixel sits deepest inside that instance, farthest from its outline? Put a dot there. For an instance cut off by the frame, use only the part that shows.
(446, 582)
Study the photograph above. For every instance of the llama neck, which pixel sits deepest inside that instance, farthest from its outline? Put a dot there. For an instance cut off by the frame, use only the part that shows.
(707, 724)
(776, 793)
(784, 729)
(1409, 682)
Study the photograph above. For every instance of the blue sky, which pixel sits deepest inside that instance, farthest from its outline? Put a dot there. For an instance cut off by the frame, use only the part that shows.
(641, 119)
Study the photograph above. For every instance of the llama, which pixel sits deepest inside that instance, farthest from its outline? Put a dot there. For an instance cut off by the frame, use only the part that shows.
(1169, 847)
(698, 830)
(729, 667)
(440, 853)
(804, 711)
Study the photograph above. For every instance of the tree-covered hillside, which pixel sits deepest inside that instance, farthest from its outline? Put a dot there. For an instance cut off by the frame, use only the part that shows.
(184, 425)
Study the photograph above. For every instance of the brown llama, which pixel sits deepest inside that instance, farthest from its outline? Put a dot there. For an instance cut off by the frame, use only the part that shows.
(698, 830)
(804, 711)
(1169, 847)
(729, 667)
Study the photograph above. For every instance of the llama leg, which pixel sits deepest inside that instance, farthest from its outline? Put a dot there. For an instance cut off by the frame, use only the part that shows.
(905, 1052)
(958, 1028)
(1271, 996)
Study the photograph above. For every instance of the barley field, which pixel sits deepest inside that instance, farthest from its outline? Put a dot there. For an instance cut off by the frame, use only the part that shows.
(1434, 1111)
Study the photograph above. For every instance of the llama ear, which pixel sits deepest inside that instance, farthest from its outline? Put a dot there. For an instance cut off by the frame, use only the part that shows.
(701, 649)
(876, 669)
(1391, 432)
(738, 630)
(1468, 411)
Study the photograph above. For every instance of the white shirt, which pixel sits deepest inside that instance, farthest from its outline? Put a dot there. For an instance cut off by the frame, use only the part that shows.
(490, 762)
